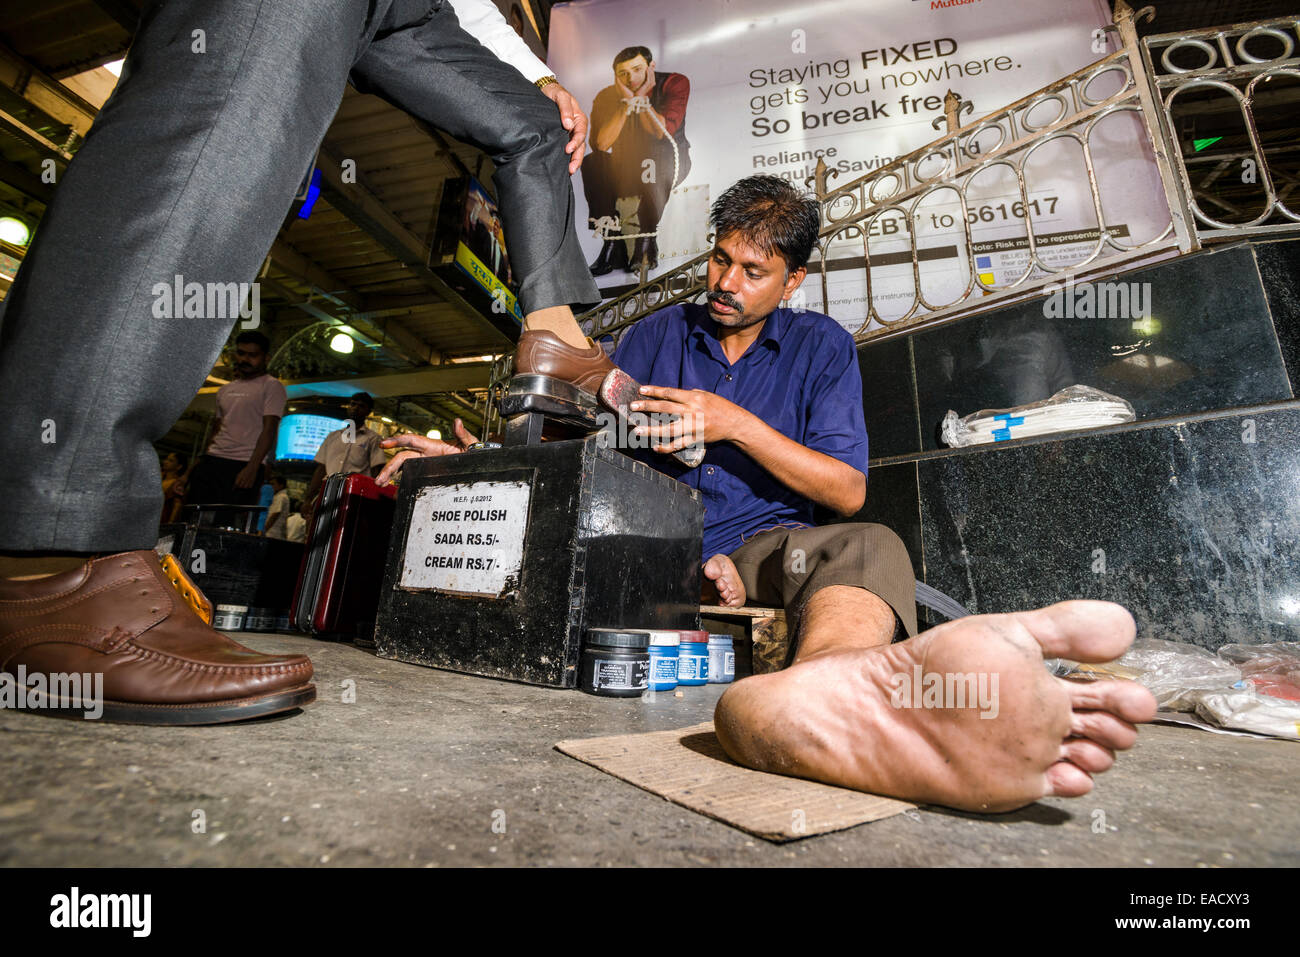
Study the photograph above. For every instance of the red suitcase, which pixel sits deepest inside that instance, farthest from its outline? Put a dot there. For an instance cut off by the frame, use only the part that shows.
(343, 568)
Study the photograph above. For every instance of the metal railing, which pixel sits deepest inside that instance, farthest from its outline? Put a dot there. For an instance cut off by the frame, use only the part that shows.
(1147, 80)
(1235, 76)
(954, 168)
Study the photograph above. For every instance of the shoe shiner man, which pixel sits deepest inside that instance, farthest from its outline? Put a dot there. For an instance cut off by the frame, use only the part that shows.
(965, 714)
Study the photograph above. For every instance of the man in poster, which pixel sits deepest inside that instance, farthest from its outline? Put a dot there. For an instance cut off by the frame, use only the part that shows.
(639, 149)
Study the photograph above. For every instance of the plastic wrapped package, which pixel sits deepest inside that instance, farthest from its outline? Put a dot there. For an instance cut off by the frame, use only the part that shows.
(1244, 687)
(1176, 673)
(1074, 407)
(1280, 657)
(1247, 710)
(1271, 669)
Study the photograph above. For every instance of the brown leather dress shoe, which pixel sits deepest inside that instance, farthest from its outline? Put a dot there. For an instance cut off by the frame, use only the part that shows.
(543, 353)
(120, 618)
(591, 370)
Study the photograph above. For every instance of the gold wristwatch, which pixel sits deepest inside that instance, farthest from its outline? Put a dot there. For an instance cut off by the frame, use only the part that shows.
(546, 81)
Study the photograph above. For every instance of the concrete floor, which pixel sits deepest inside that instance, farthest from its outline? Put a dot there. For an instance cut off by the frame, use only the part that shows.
(421, 766)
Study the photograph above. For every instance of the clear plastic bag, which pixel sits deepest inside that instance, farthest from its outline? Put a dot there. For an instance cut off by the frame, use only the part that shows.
(1243, 687)
(1074, 407)
(1280, 657)
(1271, 669)
(1176, 673)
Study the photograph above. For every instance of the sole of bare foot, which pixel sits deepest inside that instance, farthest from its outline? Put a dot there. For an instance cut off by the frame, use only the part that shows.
(720, 573)
(964, 715)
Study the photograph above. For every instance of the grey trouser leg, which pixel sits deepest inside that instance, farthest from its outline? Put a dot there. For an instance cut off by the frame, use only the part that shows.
(190, 169)
(439, 73)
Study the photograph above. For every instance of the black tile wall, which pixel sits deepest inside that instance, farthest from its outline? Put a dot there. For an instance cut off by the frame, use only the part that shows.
(889, 397)
(1279, 268)
(1193, 527)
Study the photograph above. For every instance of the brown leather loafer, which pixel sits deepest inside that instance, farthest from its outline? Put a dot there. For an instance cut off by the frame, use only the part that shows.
(119, 625)
(591, 370)
(543, 353)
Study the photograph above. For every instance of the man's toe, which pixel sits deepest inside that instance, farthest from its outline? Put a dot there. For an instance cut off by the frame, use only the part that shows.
(1088, 755)
(1125, 699)
(1065, 779)
(1104, 728)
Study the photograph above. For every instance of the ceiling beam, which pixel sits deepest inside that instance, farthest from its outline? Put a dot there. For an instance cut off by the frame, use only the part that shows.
(398, 340)
(25, 182)
(36, 141)
(393, 303)
(313, 274)
(44, 92)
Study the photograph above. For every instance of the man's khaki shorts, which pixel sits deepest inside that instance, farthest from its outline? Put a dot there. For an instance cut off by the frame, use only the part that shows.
(784, 567)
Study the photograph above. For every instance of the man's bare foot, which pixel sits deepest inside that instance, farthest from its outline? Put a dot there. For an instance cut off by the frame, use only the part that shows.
(964, 715)
(722, 578)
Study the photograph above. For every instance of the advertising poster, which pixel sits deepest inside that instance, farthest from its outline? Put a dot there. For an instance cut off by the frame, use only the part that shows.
(730, 89)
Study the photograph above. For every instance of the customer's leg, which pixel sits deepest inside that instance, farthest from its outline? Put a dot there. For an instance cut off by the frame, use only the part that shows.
(188, 171)
(439, 73)
(185, 178)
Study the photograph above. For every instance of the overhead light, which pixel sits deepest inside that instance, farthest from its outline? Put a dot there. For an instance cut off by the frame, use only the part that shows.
(386, 420)
(358, 336)
(14, 231)
(433, 434)
(342, 342)
(115, 67)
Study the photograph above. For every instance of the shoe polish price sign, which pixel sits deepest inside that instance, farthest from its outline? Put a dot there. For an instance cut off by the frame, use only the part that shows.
(467, 539)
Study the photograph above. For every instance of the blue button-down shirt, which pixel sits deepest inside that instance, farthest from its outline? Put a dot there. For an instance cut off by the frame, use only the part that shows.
(801, 377)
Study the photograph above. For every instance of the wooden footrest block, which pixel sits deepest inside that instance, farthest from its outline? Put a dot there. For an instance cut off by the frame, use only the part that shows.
(764, 633)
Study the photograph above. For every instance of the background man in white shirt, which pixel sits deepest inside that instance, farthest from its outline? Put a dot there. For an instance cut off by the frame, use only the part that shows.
(296, 524)
(351, 449)
(278, 513)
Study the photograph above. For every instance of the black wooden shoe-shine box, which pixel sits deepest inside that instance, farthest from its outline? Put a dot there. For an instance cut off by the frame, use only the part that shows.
(501, 559)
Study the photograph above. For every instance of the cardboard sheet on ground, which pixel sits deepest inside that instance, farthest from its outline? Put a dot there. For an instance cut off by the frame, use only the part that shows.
(689, 767)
